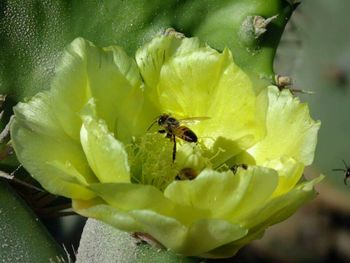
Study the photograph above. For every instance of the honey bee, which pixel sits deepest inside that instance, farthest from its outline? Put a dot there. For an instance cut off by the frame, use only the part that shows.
(174, 129)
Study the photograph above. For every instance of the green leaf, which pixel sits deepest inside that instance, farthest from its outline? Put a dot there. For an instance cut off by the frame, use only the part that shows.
(33, 33)
(23, 238)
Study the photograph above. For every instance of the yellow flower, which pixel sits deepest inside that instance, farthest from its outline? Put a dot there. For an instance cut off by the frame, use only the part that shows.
(87, 139)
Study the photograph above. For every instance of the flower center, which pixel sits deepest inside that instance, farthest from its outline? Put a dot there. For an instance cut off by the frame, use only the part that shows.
(150, 158)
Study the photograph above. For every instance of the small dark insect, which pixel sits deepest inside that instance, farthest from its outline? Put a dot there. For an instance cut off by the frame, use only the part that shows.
(173, 129)
(346, 172)
(235, 167)
(186, 174)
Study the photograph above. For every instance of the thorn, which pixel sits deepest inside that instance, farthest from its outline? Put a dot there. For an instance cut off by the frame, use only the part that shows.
(6, 130)
(172, 32)
(12, 178)
(309, 92)
(260, 24)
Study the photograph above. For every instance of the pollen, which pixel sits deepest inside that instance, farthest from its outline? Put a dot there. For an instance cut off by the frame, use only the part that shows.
(150, 157)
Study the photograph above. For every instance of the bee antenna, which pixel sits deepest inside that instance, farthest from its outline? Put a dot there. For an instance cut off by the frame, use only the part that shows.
(151, 125)
(347, 167)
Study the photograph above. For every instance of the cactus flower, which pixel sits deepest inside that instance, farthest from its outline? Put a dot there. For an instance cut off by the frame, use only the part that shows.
(87, 139)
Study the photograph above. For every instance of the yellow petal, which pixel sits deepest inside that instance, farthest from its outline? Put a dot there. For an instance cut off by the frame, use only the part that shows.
(105, 154)
(225, 195)
(106, 74)
(53, 158)
(188, 79)
(290, 130)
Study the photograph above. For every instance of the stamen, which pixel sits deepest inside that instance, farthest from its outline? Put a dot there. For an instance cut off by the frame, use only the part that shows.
(151, 162)
(150, 158)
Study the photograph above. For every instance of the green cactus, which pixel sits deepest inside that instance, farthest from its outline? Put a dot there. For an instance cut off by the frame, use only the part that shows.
(99, 237)
(36, 32)
(23, 238)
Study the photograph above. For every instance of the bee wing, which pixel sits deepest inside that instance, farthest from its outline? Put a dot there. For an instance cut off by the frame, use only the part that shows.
(192, 120)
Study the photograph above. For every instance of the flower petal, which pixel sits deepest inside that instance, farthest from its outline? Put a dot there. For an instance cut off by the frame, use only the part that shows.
(167, 230)
(290, 130)
(189, 79)
(224, 194)
(201, 236)
(151, 57)
(281, 207)
(107, 75)
(126, 196)
(61, 168)
(106, 155)
(38, 116)
(230, 249)
(289, 173)
(195, 240)
(207, 234)
(97, 208)
(275, 211)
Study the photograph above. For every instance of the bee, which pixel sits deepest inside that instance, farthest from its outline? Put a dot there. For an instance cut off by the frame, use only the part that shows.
(346, 172)
(186, 174)
(235, 167)
(174, 129)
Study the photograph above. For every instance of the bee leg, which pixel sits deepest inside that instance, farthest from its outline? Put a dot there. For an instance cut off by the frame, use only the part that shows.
(174, 148)
(162, 131)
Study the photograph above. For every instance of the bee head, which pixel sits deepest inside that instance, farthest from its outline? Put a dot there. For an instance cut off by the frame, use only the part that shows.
(163, 119)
